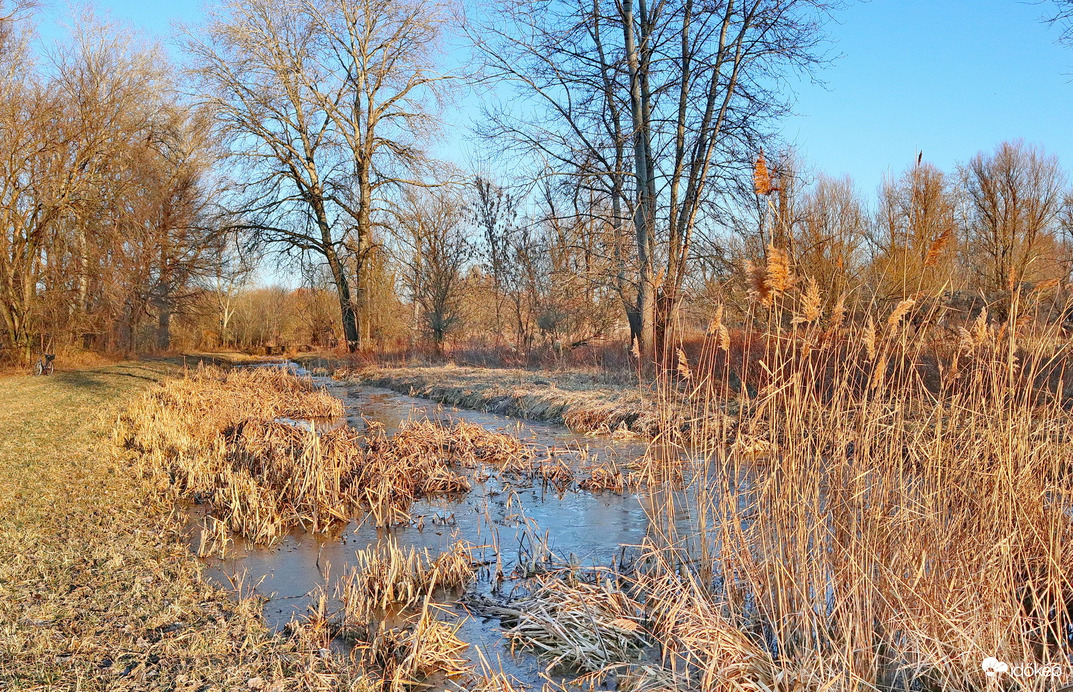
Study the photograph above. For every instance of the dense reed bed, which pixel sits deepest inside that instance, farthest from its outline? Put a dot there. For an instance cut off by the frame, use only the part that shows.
(888, 534)
(859, 521)
(243, 442)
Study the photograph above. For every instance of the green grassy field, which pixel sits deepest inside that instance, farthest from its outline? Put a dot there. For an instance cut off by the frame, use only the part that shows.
(98, 589)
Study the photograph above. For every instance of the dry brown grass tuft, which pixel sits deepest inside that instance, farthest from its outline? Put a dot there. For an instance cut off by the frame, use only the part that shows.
(606, 478)
(386, 579)
(235, 440)
(419, 654)
(389, 617)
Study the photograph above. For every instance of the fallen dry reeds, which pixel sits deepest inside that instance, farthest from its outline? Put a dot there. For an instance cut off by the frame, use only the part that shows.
(573, 399)
(578, 626)
(242, 441)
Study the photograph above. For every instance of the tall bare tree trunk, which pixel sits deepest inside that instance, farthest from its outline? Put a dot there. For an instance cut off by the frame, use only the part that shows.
(644, 210)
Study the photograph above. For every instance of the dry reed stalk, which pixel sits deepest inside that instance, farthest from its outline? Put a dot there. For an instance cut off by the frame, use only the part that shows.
(895, 535)
(555, 472)
(491, 679)
(214, 538)
(494, 681)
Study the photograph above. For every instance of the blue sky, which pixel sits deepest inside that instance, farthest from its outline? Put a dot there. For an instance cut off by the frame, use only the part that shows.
(946, 77)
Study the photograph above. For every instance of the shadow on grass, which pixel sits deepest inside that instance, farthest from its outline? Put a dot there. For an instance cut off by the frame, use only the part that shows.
(104, 378)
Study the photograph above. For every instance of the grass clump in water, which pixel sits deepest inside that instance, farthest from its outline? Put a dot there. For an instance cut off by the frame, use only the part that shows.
(220, 437)
(389, 616)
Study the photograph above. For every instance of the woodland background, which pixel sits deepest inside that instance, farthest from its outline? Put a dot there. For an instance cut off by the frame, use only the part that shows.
(273, 193)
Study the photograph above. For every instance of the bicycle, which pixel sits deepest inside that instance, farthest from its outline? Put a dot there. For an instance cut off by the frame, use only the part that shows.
(45, 365)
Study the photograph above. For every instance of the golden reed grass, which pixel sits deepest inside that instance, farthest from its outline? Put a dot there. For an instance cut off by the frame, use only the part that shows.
(391, 620)
(860, 522)
(386, 578)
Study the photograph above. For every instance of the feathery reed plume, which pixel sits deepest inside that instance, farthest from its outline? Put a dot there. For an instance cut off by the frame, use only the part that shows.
(683, 365)
(716, 322)
(900, 311)
(758, 284)
(811, 305)
(761, 177)
(966, 340)
(981, 332)
(780, 275)
(724, 338)
(937, 247)
(838, 312)
(869, 338)
(1044, 286)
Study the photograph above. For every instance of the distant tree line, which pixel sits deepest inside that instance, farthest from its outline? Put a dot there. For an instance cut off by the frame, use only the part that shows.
(105, 192)
(626, 197)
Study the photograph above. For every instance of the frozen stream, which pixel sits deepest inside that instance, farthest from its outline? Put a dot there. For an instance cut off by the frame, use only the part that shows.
(522, 518)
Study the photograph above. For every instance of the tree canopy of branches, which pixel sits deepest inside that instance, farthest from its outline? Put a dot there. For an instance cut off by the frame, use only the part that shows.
(1014, 197)
(322, 103)
(435, 251)
(103, 202)
(647, 103)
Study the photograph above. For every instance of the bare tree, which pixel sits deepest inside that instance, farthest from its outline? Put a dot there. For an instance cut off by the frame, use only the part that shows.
(74, 149)
(435, 251)
(646, 103)
(915, 234)
(1013, 200)
(323, 102)
(828, 234)
(495, 211)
